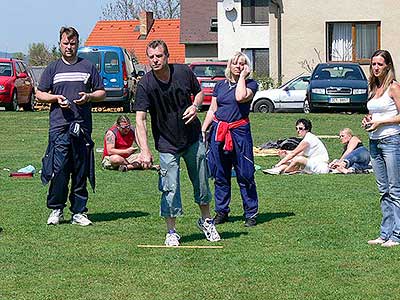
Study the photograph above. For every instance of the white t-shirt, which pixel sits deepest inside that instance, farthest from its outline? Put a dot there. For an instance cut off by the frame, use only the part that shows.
(316, 149)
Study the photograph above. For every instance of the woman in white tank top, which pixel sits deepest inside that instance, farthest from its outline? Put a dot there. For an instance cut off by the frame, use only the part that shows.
(383, 127)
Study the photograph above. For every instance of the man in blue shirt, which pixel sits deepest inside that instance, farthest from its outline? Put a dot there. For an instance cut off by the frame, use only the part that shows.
(69, 84)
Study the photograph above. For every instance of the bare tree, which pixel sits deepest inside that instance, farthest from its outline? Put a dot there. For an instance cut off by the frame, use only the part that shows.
(130, 9)
(309, 65)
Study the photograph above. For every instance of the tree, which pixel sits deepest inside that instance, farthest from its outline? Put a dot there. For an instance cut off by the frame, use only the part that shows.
(39, 54)
(19, 55)
(130, 9)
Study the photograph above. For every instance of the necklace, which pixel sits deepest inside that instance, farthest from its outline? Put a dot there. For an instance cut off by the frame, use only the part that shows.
(231, 86)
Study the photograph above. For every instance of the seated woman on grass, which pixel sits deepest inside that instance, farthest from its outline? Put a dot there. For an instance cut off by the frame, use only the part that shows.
(310, 156)
(355, 157)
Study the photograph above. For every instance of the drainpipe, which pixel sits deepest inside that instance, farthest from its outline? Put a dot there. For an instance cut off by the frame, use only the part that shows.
(279, 35)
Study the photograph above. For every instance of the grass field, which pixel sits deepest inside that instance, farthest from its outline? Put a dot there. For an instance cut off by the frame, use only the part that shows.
(310, 242)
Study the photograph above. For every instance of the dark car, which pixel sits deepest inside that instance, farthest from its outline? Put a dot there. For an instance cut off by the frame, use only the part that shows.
(337, 86)
(208, 74)
(16, 85)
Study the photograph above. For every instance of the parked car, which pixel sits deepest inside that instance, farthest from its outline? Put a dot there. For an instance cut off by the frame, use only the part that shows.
(16, 85)
(208, 74)
(116, 67)
(289, 96)
(337, 86)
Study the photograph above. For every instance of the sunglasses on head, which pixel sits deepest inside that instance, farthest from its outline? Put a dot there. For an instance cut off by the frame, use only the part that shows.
(300, 128)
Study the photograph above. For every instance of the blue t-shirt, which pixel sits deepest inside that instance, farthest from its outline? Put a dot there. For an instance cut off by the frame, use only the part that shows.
(166, 102)
(60, 78)
(229, 110)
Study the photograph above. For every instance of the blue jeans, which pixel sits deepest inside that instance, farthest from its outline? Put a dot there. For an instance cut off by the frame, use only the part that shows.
(169, 179)
(358, 159)
(385, 154)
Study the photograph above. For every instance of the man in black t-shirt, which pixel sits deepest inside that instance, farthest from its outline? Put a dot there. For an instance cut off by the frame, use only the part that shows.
(165, 92)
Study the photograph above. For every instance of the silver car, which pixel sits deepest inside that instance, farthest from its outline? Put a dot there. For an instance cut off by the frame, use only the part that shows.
(289, 96)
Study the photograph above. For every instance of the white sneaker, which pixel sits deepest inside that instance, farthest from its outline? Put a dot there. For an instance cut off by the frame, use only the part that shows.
(208, 227)
(272, 171)
(81, 219)
(56, 216)
(172, 239)
(390, 243)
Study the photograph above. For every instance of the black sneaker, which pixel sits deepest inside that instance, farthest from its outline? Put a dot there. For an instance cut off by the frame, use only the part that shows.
(220, 218)
(250, 222)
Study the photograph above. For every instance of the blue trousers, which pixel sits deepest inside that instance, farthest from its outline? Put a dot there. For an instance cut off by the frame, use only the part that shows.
(241, 159)
(66, 158)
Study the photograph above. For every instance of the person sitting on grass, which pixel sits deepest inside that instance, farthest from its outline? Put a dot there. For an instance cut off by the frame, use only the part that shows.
(310, 156)
(118, 152)
(355, 157)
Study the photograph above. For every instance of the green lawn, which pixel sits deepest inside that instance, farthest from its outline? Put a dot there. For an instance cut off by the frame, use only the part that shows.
(310, 242)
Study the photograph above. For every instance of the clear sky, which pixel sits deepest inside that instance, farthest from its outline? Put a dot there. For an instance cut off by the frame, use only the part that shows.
(24, 22)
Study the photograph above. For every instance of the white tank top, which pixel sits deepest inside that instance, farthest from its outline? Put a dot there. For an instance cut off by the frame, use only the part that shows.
(383, 108)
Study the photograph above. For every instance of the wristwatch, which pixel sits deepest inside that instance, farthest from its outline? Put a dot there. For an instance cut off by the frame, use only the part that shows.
(197, 106)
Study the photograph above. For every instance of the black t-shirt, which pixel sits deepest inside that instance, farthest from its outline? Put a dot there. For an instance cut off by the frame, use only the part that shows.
(166, 103)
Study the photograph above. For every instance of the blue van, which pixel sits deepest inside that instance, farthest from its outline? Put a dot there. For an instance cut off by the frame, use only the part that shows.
(119, 75)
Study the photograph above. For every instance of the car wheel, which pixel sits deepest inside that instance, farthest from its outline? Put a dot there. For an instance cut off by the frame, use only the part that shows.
(13, 105)
(30, 106)
(264, 106)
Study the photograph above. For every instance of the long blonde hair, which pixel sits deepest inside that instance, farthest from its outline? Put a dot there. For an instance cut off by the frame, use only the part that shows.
(234, 59)
(373, 81)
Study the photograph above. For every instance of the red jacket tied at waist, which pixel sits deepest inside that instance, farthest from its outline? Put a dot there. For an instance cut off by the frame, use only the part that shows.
(223, 132)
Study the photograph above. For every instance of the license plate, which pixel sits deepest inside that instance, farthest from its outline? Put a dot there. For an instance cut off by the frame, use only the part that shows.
(208, 84)
(339, 100)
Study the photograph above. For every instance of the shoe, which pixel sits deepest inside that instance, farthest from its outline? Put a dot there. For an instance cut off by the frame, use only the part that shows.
(272, 171)
(250, 222)
(172, 239)
(208, 227)
(377, 241)
(220, 218)
(80, 219)
(56, 216)
(390, 243)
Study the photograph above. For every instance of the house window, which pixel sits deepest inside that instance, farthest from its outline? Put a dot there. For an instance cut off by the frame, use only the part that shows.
(259, 59)
(213, 25)
(255, 11)
(354, 41)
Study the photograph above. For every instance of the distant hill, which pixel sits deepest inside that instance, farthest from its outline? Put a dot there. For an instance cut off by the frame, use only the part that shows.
(6, 54)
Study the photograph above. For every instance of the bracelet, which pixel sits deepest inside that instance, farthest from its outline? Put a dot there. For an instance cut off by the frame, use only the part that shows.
(196, 106)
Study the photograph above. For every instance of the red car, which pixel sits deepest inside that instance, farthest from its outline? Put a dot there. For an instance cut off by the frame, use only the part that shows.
(16, 85)
(208, 74)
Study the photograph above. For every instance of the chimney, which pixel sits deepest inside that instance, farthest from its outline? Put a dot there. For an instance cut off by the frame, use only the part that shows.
(146, 21)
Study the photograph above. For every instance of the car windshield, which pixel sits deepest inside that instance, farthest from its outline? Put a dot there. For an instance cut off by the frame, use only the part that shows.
(338, 72)
(93, 57)
(209, 70)
(6, 69)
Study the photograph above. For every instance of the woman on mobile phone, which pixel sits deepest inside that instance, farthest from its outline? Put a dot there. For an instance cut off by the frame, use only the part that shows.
(382, 123)
(230, 141)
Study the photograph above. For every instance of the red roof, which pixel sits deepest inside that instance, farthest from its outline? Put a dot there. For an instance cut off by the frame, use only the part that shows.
(126, 34)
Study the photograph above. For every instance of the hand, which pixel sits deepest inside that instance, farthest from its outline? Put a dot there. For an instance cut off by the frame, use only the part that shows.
(371, 126)
(62, 101)
(366, 120)
(85, 97)
(190, 114)
(131, 150)
(245, 72)
(145, 159)
(282, 153)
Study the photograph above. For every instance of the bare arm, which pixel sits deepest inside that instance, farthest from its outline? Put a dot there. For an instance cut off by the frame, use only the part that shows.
(242, 93)
(46, 97)
(350, 147)
(95, 96)
(145, 155)
(299, 149)
(209, 117)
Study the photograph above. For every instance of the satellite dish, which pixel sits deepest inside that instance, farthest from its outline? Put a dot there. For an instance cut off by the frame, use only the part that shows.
(228, 5)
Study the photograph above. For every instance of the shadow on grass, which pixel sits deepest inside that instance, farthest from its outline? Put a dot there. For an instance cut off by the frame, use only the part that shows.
(264, 217)
(200, 236)
(111, 216)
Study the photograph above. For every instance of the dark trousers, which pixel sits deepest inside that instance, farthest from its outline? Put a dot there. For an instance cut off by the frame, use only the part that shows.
(242, 160)
(67, 158)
